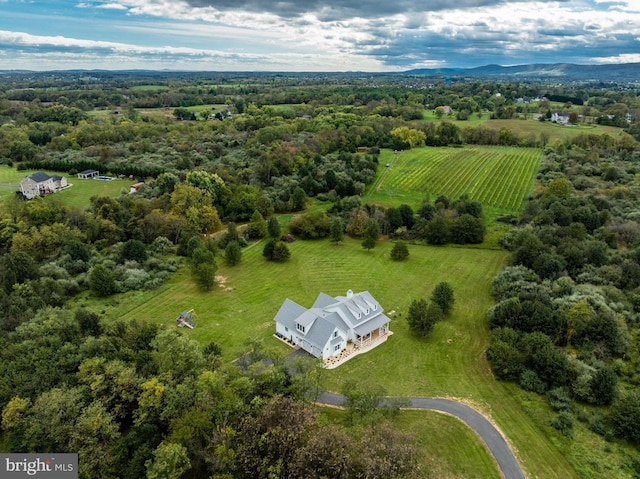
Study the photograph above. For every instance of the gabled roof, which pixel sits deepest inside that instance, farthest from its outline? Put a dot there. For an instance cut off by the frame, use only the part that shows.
(288, 313)
(323, 300)
(306, 319)
(320, 333)
(354, 314)
(39, 177)
(88, 172)
(335, 319)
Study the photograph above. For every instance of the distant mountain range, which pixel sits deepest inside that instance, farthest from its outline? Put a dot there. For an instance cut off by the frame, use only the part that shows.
(628, 72)
(546, 72)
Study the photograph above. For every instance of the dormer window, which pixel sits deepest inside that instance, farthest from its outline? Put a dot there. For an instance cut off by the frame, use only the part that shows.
(300, 327)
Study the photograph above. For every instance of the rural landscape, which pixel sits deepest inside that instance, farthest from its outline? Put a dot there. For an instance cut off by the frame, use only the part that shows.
(153, 224)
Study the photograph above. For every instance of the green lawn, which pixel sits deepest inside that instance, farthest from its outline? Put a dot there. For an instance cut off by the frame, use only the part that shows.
(76, 195)
(450, 363)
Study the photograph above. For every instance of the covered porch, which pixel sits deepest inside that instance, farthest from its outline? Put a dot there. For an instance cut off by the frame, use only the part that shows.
(374, 339)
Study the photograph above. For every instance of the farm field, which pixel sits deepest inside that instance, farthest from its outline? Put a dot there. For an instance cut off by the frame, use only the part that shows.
(78, 195)
(450, 363)
(534, 128)
(500, 178)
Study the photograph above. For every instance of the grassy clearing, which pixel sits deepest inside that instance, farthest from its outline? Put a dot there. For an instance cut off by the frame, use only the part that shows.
(500, 178)
(533, 128)
(473, 119)
(450, 363)
(77, 195)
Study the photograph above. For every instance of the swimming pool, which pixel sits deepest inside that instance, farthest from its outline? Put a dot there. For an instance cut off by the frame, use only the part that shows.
(103, 178)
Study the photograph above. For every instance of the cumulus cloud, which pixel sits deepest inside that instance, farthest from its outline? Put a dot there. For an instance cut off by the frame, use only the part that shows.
(375, 34)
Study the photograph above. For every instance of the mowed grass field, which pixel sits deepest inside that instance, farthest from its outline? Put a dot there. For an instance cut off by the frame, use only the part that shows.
(77, 195)
(450, 363)
(501, 178)
(533, 128)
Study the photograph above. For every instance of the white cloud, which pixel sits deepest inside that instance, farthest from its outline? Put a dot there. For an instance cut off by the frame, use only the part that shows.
(56, 52)
(112, 6)
(622, 58)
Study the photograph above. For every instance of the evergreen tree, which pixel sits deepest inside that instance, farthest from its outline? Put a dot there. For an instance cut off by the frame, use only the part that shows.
(281, 252)
(371, 234)
(336, 230)
(273, 228)
(399, 251)
(419, 319)
(269, 248)
(233, 253)
(443, 296)
(203, 268)
(257, 227)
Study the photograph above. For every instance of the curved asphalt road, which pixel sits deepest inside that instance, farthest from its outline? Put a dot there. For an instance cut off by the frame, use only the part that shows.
(472, 418)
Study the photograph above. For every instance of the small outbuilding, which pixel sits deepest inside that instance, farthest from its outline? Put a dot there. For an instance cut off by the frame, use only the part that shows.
(86, 174)
(135, 188)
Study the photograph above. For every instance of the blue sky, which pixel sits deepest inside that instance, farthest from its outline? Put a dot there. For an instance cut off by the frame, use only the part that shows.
(314, 35)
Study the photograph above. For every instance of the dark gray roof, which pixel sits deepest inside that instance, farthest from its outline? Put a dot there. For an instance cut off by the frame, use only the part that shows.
(39, 177)
(88, 172)
(56, 178)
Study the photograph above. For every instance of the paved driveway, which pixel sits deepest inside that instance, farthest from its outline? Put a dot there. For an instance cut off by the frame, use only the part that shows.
(472, 418)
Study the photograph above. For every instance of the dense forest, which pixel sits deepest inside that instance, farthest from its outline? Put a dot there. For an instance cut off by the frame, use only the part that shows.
(219, 151)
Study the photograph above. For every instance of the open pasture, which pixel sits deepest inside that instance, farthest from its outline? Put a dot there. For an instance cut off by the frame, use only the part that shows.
(500, 178)
(534, 129)
(450, 363)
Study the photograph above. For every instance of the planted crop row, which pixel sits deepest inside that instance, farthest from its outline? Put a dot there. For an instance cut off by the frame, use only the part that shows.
(496, 176)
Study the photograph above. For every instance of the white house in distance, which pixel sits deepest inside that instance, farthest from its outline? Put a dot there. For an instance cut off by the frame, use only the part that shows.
(326, 328)
(41, 184)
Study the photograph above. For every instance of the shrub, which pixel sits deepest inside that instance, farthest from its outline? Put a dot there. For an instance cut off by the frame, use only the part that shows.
(529, 381)
(281, 252)
(559, 399)
(311, 225)
(399, 251)
(563, 422)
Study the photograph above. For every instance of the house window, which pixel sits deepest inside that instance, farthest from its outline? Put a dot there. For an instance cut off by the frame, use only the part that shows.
(336, 347)
(299, 327)
(335, 334)
(286, 329)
